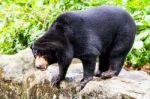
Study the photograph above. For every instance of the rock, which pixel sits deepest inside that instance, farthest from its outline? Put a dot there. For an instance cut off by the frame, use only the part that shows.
(20, 80)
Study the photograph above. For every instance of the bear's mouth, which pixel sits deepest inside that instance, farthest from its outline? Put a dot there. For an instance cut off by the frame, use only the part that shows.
(42, 69)
(41, 63)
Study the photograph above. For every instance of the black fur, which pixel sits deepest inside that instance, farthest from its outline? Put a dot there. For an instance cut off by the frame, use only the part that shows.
(106, 32)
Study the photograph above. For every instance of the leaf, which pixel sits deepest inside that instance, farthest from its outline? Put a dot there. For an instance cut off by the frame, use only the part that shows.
(138, 45)
(147, 42)
(143, 35)
(147, 18)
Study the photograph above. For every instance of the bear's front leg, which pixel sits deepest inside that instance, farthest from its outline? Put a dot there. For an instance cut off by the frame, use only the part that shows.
(64, 60)
(89, 63)
(61, 76)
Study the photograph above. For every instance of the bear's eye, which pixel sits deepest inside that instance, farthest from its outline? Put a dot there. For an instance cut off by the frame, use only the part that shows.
(35, 52)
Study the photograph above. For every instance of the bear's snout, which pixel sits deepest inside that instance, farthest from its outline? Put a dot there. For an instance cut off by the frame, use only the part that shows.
(41, 63)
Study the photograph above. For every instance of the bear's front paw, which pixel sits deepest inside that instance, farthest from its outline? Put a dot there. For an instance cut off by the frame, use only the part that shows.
(83, 82)
(56, 80)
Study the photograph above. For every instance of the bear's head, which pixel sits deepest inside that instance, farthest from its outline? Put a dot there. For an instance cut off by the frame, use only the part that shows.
(46, 48)
(45, 54)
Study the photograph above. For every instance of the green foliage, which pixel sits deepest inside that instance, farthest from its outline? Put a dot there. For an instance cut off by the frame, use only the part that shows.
(140, 54)
(22, 21)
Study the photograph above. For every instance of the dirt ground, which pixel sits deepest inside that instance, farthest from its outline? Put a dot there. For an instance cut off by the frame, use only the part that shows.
(145, 68)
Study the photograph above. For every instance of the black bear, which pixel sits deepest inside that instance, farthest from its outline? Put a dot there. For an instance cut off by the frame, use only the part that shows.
(105, 32)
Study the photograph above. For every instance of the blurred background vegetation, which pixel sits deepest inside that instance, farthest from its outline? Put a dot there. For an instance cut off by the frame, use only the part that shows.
(22, 21)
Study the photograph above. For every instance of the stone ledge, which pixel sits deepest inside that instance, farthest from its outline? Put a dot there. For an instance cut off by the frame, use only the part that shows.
(19, 79)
